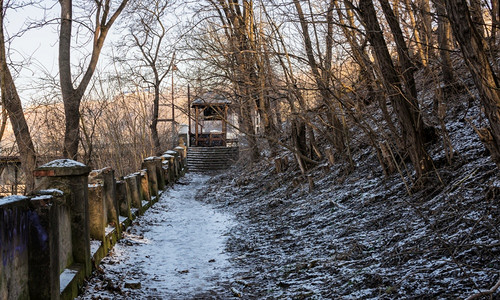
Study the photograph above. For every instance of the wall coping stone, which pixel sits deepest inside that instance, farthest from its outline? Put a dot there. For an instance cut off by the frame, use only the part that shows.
(14, 201)
(104, 170)
(152, 158)
(51, 192)
(61, 167)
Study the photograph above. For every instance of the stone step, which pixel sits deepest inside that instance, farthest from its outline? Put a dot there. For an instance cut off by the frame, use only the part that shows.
(211, 156)
(203, 159)
(215, 156)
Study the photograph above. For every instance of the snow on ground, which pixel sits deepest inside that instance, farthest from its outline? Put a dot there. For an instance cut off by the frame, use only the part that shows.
(362, 238)
(175, 251)
(356, 235)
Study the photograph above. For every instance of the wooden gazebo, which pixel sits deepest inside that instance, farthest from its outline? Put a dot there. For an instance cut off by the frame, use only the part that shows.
(210, 118)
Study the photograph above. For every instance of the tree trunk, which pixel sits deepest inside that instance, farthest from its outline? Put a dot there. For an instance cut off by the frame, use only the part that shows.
(249, 128)
(366, 72)
(476, 15)
(300, 143)
(425, 12)
(72, 96)
(444, 43)
(495, 14)
(154, 120)
(240, 31)
(70, 99)
(408, 69)
(265, 79)
(472, 46)
(322, 80)
(411, 133)
(12, 103)
(418, 41)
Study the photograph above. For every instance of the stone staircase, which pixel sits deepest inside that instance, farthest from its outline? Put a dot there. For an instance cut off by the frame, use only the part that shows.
(205, 159)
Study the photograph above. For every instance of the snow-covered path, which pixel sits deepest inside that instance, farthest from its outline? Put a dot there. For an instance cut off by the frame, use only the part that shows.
(175, 251)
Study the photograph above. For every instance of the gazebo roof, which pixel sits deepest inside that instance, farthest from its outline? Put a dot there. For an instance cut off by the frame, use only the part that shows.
(209, 99)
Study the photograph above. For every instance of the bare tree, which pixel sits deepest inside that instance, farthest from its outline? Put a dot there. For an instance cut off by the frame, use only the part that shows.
(12, 104)
(408, 114)
(153, 54)
(322, 70)
(72, 96)
(444, 43)
(472, 45)
(239, 28)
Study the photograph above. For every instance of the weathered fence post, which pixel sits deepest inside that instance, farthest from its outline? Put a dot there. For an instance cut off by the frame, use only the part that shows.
(150, 165)
(182, 150)
(174, 163)
(97, 212)
(44, 245)
(134, 184)
(145, 186)
(14, 223)
(106, 176)
(71, 177)
(124, 198)
(159, 173)
(170, 177)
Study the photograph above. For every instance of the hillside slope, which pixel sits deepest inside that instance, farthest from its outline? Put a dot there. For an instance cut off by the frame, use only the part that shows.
(362, 235)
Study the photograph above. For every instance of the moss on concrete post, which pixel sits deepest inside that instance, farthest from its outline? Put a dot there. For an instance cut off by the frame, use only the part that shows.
(71, 177)
(44, 249)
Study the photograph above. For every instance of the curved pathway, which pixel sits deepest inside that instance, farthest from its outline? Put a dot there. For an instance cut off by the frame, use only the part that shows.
(175, 251)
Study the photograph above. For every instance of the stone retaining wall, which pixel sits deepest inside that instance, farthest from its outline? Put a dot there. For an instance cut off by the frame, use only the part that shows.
(50, 240)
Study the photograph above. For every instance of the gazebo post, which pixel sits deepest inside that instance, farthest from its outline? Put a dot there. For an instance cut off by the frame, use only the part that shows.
(196, 124)
(224, 126)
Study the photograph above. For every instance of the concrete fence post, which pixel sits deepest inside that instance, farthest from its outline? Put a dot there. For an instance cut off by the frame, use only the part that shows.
(71, 177)
(159, 173)
(149, 164)
(14, 233)
(182, 150)
(106, 176)
(175, 163)
(97, 210)
(43, 259)
(124, 198)
(145, 186)
(134, 185)
(164, 166)
(170, 169)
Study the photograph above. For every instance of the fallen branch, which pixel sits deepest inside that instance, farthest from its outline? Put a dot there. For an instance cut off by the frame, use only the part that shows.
(486, 292)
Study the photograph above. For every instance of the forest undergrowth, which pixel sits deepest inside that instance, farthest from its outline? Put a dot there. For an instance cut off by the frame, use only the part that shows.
(359, 234)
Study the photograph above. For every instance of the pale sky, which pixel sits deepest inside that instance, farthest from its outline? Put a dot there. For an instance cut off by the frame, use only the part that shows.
(36, 50)
(35, 53)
